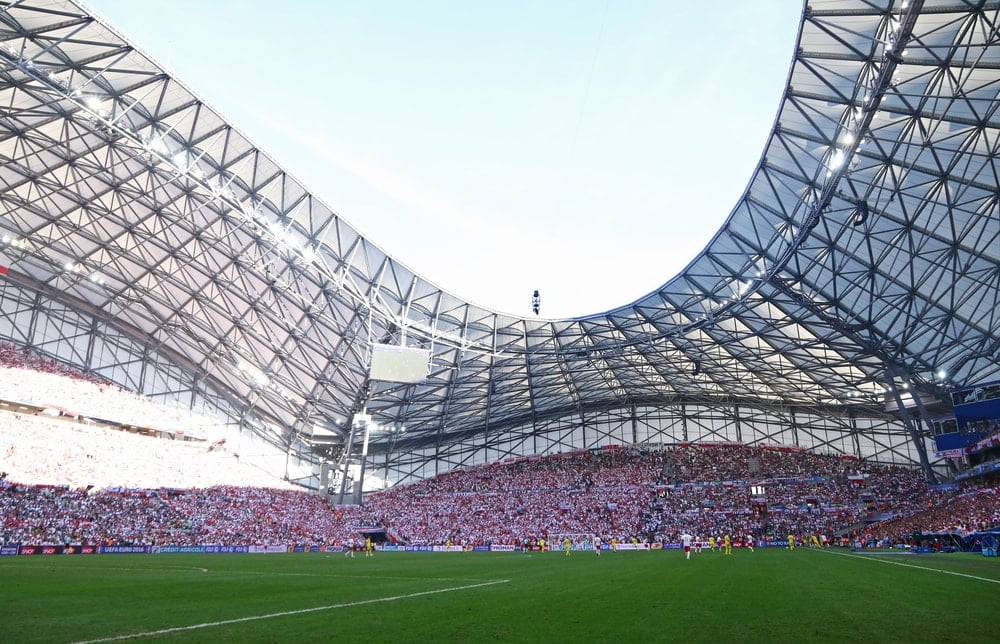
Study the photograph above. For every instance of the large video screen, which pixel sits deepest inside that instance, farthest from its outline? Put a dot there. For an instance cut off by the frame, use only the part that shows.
(399, 364)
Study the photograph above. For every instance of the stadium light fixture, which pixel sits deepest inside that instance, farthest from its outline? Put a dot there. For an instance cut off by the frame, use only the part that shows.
(254, 373)
(308, 253)
(156, 146)
(836, 159)
(94, 103)
(180, 160)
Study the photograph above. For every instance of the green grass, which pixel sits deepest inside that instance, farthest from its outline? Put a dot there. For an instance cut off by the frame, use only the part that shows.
(771, 595)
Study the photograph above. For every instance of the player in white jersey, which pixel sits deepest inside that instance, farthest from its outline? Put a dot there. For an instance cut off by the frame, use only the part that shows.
(686, 540)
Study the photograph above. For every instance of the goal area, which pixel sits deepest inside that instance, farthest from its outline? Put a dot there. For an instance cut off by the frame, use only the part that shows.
(578, 541)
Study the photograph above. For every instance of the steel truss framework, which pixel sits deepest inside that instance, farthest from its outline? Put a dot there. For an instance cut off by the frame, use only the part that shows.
(148, 240)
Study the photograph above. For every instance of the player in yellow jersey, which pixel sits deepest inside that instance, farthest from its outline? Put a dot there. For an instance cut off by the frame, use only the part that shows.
(567, 545)
(369, 547)
(711, 543)
(727, 543)
(791, 542)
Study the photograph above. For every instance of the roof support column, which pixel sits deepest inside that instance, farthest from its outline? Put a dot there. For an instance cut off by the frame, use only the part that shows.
(854, 435)
(910, 425)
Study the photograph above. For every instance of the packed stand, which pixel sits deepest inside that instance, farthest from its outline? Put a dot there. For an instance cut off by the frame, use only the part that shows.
(63, 391)
(658, 495)
(971, 508)
(612, 493)
(228, 515)
(60, 476)
(53, 451)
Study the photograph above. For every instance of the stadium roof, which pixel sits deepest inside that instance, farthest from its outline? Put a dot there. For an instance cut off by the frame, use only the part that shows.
(864, 254)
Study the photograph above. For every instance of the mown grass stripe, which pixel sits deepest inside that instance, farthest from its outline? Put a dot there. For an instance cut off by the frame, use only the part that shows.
(315, 609)
(874, 557)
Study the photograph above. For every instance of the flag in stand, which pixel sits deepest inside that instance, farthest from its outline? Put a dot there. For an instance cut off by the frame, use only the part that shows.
(3, 270)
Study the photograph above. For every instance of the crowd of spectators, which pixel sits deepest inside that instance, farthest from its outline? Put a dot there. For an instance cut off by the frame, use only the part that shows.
(60, 451)
(974, 507)
(705, 490)
(57, 515)
(69, 481)
(620, 493)
(14, 357)
(60, 390)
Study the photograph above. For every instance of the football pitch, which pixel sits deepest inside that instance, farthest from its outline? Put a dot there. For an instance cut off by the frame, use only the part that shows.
(771, 595)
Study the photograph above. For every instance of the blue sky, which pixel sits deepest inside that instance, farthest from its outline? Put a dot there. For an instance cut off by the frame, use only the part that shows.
(585, 149)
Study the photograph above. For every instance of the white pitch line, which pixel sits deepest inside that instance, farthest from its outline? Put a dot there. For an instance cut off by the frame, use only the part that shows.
(874, 557)
(301, 611)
